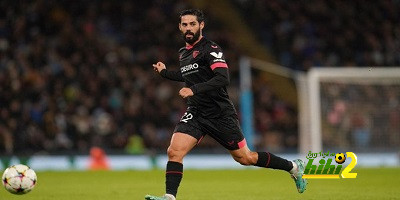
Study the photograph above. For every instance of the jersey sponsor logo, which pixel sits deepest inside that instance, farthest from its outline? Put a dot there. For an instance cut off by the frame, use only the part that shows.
(189, 67)
(217, 55)
(195, 53)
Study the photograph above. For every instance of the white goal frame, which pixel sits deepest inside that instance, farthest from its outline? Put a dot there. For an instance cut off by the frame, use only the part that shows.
(346, 74)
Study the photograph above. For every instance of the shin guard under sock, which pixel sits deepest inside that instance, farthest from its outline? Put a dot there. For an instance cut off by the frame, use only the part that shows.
(173, 177)
(269, 160)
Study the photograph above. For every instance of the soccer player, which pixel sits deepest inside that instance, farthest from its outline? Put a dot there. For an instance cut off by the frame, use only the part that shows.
(210, 111)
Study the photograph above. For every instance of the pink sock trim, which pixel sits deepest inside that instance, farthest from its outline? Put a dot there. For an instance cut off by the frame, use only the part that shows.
(174, 172)
(269, 159)
(242, 143)
(198, 142)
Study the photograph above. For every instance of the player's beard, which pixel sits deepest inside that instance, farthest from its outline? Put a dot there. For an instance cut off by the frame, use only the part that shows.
(195, 37)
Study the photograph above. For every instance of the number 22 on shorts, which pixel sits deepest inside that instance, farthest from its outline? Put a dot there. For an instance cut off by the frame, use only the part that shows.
(186, 117)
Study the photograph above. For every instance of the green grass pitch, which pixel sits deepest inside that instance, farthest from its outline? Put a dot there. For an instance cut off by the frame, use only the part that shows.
(258, 184)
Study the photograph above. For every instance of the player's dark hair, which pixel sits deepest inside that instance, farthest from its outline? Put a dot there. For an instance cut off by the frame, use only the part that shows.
(196, 12)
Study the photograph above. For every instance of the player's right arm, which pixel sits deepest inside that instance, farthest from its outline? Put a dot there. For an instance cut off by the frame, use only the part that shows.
(171, 75)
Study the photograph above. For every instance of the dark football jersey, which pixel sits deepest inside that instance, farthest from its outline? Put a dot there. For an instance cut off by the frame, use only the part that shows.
(197, 65)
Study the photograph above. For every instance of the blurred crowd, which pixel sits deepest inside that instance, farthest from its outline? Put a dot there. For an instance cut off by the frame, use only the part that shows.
(304, 34)
(74, 75)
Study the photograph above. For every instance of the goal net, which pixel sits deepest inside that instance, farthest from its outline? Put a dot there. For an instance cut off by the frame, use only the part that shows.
(353, 109)
(339, 108)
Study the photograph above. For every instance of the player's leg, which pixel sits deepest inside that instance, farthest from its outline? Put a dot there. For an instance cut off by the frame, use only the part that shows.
(181, 144)
(244, 156)
(186, 135)
(227, 132)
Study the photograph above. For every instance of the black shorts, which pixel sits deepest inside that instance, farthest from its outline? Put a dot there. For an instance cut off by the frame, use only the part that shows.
(225, 130)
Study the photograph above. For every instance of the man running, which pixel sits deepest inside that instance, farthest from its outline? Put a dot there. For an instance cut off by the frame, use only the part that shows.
(210, 111)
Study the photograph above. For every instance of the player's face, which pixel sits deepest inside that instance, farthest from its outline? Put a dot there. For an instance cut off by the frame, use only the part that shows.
(190, 28)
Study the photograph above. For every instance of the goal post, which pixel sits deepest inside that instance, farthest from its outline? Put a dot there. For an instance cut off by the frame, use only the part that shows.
(246, 101)
(278, 76)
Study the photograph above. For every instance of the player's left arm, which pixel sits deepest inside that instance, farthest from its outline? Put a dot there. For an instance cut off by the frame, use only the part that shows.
(221, 79)
(216, 59)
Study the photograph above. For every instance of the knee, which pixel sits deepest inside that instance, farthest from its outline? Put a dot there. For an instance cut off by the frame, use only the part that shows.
(174, 154)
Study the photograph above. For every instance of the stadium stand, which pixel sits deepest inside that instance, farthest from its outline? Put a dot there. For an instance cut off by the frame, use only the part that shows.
(78, 75)
(326, 33)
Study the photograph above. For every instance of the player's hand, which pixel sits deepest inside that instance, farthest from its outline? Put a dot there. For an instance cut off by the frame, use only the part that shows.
(159, 66)
(185, 92)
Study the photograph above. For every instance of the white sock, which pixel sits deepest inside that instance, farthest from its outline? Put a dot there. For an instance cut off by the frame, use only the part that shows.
(170, 196)
(294, 169)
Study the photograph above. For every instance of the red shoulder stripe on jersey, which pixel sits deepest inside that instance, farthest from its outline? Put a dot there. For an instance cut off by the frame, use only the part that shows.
(219, 64)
